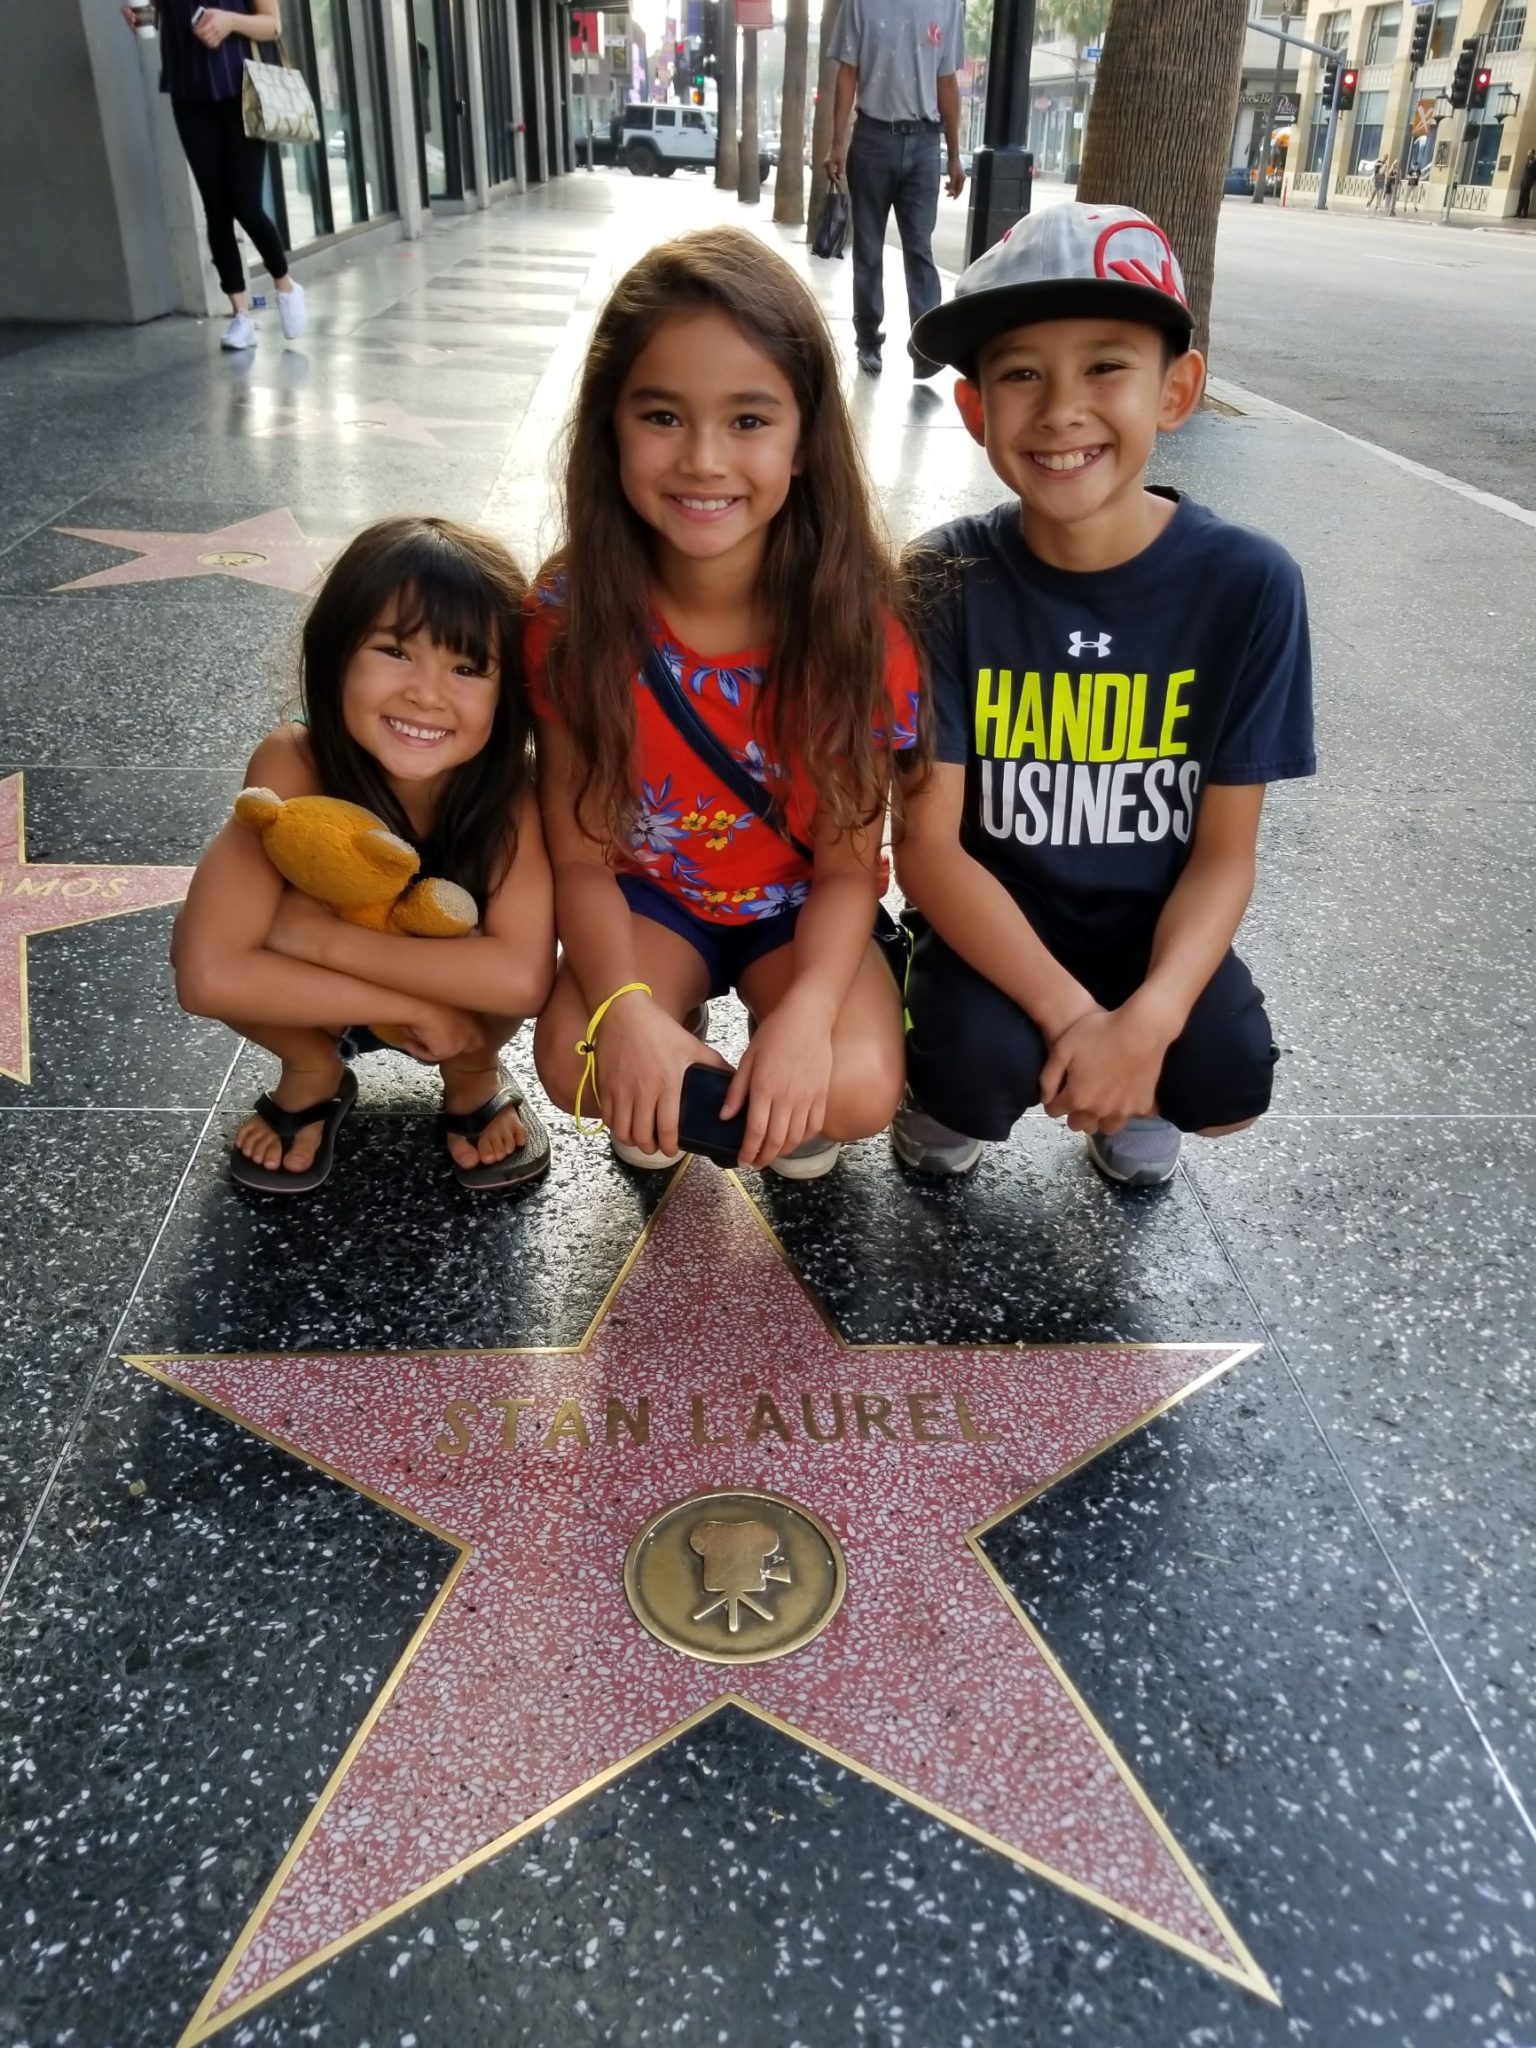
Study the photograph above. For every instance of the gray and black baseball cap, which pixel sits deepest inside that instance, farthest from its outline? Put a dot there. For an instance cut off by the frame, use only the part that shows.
(1066, 263)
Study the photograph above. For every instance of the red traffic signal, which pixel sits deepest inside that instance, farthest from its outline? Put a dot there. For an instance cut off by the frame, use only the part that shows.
(1348, 80)
(1478, 97)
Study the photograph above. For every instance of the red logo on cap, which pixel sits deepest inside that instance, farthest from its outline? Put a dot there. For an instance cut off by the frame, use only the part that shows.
(1146, 261)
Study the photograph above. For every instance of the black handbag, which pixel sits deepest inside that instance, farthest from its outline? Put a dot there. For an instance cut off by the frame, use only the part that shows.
(832, 229)
(894, 940)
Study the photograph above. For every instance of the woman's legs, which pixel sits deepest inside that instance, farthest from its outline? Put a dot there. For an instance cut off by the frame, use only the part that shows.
(868, 1057)
(245, 168)
(201, 129)
(312, 1070)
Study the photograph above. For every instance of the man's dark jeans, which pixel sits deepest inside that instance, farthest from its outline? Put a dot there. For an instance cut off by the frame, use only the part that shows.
(887, 170)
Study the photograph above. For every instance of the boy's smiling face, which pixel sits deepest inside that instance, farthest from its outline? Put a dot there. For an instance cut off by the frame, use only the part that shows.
(1069, 412)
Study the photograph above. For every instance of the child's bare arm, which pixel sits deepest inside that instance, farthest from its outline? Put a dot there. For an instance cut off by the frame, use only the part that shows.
(972, 911)
(1105, 1067)
(219, 952)
(504, 969)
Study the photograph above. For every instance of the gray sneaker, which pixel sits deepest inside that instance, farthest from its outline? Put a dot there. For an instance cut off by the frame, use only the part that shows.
(1143, 1154)
(808, 1161)
(927, 1146)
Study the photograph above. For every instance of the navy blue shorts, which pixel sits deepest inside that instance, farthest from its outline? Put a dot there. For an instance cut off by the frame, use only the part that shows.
(727, 950)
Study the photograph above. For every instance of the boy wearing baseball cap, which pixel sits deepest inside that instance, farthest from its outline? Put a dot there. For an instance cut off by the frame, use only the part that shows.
(1116, 675)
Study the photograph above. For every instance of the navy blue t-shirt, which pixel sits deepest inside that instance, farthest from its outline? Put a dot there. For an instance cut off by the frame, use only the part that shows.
(1091, 710)
(189, 70)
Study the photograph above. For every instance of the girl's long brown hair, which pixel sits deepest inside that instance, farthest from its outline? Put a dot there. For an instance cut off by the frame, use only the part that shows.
(829, 584)
(464, 588)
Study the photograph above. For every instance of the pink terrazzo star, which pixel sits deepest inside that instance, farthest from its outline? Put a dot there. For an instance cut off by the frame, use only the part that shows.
(370, 419)
(271, 549)
(530, 1684)
(47, 898)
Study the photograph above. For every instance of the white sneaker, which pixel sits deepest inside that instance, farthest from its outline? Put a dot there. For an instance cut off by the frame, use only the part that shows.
(1143, 1154)
(808, 1161)
(648, 1162)
(240, 333)
(292, 311)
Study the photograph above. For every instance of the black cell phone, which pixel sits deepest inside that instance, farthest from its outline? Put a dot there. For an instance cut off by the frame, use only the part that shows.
(700, 1126)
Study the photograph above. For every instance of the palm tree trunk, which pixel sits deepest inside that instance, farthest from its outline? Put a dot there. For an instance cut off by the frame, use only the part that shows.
(789, 178)
(725, 70)
(749, 183)
(821, 129)
(1163, 108)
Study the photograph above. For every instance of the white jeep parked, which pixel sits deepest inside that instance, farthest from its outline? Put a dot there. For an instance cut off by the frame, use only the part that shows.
(654, 140)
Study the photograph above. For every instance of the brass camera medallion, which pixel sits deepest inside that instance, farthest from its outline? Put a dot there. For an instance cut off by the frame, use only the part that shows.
(735, 1578)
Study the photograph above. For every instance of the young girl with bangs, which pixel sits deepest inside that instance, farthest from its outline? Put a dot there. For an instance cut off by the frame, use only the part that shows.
(722, 618)
(413, 707)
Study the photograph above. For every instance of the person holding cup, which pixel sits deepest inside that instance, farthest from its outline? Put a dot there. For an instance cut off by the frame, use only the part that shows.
(202, 70)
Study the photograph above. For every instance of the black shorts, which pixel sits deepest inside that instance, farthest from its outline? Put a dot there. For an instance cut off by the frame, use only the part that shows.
(974, 1057)
(727, 950)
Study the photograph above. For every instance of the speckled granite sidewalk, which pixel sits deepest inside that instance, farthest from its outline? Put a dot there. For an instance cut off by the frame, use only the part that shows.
(1181, 1689)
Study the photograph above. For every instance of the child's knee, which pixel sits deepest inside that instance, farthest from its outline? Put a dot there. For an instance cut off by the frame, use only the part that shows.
(866, 1089)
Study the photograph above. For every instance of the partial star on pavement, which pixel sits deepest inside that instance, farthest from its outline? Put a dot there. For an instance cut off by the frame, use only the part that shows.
(45, 897)
(363, 419)
(271, 549)
(531, 1684)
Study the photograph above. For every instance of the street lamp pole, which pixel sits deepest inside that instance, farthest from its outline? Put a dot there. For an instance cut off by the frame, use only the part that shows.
(1269, 118)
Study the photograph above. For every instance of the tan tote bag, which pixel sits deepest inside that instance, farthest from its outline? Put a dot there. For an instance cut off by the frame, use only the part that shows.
(275, 101)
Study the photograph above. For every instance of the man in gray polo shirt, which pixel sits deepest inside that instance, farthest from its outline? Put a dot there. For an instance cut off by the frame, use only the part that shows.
(900, 58)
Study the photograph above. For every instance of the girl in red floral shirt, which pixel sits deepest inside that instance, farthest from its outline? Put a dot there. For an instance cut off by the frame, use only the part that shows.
(717, 523)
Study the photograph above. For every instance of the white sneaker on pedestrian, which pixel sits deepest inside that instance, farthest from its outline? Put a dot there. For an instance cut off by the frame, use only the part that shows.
(808, 1161)
(921, 1142)
(293, 312)
(240, 333)
(1142, 1154)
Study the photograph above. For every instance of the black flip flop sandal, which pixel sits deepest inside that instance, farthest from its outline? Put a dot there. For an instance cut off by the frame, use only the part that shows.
(529, 1160)
(285, 1125)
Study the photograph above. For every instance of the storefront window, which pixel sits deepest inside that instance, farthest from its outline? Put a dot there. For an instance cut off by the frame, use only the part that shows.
(1365, 144)
(325, 187)
(1485, 142)
(1508, 28)
(1381, 34)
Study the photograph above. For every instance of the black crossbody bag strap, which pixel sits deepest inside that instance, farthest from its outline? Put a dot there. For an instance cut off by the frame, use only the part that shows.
(686, 721)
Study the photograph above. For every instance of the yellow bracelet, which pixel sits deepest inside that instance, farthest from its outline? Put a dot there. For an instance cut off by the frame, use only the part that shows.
(587, 1046)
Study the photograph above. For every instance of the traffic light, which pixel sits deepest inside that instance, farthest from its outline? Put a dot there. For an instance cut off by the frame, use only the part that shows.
(1330, 81)
(1348, 80)
(1461, 79)
(1477, 99)
(1423, 22)
(709, 42)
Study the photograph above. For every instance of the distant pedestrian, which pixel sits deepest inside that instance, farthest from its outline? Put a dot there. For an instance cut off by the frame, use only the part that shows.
(900, 58)
(202, 69)
(1527, 184)
(1378, 185)
(1394, 178)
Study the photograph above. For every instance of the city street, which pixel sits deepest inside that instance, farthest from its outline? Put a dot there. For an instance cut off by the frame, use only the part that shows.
(1412, 335)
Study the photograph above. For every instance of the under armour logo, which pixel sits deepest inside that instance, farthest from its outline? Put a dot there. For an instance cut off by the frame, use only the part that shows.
(1079, 641)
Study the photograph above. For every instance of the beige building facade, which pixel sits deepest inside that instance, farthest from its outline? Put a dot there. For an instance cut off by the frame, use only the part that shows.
(1474, 159)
